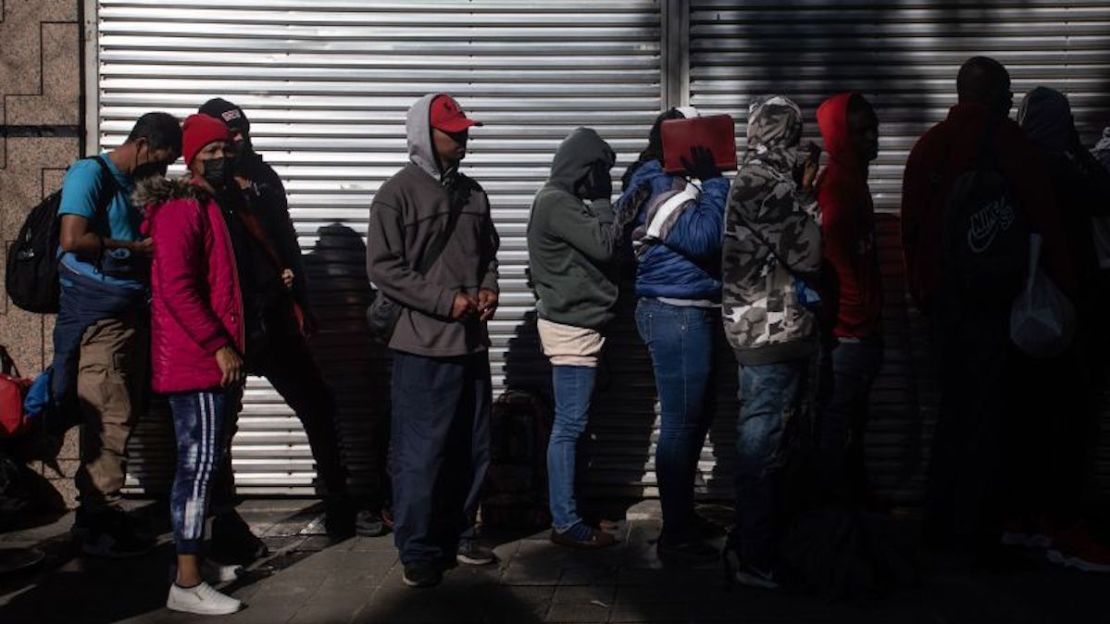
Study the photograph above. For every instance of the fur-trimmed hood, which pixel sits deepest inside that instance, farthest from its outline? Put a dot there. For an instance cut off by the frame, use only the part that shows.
(158, 190)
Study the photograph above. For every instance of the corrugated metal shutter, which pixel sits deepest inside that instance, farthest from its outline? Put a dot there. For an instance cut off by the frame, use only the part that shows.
(904, 57)
(326, 84)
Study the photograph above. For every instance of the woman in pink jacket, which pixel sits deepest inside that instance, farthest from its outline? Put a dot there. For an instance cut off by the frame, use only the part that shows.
(196, 341)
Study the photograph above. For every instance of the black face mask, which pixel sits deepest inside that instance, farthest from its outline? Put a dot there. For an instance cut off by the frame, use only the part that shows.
(149, 170)
(217, 172)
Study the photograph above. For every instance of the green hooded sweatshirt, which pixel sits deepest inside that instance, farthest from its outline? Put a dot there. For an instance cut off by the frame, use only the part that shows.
(572, 243)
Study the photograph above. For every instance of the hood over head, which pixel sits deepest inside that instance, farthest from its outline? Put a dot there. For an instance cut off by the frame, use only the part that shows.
(774, 131)
(832, 120)
(418, 132)
(1045, 115)
(576, 157)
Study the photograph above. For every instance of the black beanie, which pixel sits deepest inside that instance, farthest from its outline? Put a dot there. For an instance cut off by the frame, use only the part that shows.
(228, 113)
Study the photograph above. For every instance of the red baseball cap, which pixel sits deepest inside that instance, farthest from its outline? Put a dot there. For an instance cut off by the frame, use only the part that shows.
(448, 117)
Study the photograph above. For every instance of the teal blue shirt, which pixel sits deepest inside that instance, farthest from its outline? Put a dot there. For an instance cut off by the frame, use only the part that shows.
(81, 191)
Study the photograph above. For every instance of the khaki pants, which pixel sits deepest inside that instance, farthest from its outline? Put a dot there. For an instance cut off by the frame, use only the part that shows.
(567, 345)
(111, 382)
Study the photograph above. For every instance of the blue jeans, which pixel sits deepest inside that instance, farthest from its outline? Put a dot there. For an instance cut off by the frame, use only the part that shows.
(770, 401)
(440, 451)
(681, 343)
(848, 372)
(200, 420)
(574, 386)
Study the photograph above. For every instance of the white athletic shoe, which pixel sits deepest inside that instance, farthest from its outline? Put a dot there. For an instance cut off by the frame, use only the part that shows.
(201, 600)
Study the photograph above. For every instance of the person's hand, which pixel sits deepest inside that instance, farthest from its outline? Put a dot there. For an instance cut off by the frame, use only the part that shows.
(701, 164)
(464, 305)
(287, 278)
(143, 247)
(231, 365)
(487, 304)
(243, 183)
(598, 183)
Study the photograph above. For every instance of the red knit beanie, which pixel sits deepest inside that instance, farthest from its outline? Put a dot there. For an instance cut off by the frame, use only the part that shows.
(198, 131)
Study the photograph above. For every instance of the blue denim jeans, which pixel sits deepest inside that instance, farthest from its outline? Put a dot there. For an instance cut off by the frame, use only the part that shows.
(439, 453)
(849, 369)
(770, 401)
(574, 386)
(200, 420)
(681, 343)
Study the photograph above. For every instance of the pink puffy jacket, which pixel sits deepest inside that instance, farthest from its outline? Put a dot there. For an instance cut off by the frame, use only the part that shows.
(196, 307)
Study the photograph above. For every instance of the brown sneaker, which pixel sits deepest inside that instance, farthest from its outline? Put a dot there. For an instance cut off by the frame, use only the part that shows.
(584, 538)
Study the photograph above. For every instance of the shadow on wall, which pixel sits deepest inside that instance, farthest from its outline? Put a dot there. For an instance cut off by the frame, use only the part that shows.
(356, 368)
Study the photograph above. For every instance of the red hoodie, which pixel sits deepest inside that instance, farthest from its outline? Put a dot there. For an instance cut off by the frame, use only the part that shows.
(950, 148)
(854, 284)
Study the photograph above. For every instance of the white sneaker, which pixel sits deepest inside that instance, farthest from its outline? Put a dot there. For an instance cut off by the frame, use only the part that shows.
(201, 600)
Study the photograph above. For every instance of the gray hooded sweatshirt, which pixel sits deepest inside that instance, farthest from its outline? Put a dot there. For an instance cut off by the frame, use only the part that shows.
(409, 213)
(572, 245)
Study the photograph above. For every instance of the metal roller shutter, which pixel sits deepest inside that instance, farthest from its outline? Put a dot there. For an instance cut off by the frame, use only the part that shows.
(904, 57)
(326, 84)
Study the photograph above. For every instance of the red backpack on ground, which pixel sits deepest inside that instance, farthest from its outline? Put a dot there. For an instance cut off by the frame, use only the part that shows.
(13, 388)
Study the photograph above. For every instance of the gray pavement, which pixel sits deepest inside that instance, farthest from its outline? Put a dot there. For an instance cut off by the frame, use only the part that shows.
(306, 580)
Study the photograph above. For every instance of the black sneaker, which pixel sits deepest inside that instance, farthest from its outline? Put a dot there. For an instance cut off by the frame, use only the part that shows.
(422, 574)
(737, 571)
(693, 550)
(370, 524)
(233, 542)
(110, 533)
(470, 552)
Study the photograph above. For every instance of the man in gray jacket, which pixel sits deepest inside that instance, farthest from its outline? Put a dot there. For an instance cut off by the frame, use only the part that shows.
(432, 249)
(573, 238)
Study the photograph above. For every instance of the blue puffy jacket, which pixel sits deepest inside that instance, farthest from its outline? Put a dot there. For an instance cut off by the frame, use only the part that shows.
(687, 265)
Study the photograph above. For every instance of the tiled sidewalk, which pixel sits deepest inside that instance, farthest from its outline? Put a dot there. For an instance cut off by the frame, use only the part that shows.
(307, 581)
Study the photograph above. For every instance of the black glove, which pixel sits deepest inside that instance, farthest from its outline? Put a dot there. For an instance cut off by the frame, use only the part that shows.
(701, 164)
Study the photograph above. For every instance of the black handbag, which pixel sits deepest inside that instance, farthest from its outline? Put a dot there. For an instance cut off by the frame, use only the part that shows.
(383, 313)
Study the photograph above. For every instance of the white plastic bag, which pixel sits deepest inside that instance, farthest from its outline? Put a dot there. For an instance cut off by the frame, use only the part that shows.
(1042, 319)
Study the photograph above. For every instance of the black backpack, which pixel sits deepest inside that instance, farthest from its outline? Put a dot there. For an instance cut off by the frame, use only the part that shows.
(985, 236)
(31, 276)
(515, 492)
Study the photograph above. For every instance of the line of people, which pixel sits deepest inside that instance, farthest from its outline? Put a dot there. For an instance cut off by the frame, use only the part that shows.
(783, 259)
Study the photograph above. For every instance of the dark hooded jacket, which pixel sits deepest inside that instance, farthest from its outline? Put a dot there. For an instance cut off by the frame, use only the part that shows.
(409, 213)
(949, 149)
(772, 242)
(573, 244)
(853, 285)
(271, 206)
(1080, 184)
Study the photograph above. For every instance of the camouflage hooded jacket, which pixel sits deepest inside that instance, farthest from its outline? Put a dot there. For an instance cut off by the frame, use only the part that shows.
(771, 239)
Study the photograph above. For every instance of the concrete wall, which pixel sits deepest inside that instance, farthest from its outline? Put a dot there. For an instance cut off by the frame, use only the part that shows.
(40, 135)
